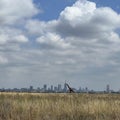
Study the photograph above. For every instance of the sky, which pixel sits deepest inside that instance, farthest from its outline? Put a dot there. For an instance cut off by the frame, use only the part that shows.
(53, 41)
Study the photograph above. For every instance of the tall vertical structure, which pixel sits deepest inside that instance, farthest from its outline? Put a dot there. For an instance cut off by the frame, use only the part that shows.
(59, 88)
(80, 90)
(51, 87)
(31, 88)
(65, 88)
(55, 89)
(86, 90)
(45, 87)
(108, 88)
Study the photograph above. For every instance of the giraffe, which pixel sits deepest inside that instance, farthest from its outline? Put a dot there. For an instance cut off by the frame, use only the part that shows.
(70, 89)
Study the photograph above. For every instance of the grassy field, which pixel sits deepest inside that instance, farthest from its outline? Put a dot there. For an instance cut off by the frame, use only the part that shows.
(34, 106)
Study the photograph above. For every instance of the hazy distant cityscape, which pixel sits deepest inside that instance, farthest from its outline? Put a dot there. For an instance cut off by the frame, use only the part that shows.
(57, 89)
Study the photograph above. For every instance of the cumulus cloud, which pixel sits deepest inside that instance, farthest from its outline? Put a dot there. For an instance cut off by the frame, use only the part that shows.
(90, 31)
(52, 40)
(13, 14)
(11, 35)
(20, 39)
(83, 20)
(36, 27)
(14, 10)
(88, 21)
(39, 28)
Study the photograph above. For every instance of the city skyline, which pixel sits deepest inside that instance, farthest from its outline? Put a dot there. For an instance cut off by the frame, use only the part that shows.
(50, 41)
(66, 88)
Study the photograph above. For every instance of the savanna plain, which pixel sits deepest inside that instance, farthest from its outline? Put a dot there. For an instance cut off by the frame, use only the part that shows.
(59, 106)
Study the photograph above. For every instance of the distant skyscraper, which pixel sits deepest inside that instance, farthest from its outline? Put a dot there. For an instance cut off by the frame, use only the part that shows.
(86, 89)
(59, 87)
(31, 88)
(107, 88)
(51, 87)
(65, 88)
(80, 89)
(55, 89)
(45, 87)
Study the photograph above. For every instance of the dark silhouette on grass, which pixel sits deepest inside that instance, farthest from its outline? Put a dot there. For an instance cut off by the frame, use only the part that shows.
(70, 89)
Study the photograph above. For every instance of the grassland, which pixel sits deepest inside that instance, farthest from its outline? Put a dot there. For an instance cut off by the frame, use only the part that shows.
(24, 106)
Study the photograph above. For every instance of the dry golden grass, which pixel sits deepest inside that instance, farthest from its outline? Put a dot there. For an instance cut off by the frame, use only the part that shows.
(24, 106)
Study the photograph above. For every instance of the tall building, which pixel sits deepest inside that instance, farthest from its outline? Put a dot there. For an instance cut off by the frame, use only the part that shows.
(79, 89)
(108, 88)
(45, 87)
(51, 87)
(65, 88)
(55, 89)
(59, 88)
(31, 88)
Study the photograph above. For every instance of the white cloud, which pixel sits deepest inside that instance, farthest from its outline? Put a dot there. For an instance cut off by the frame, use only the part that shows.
(36, 27)
(89, 31)
(13, 15)
(39, 28)
(20, 39)
(14, 10)
(88, 21)
(11, 35)
(78, 12)
(52, 40)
